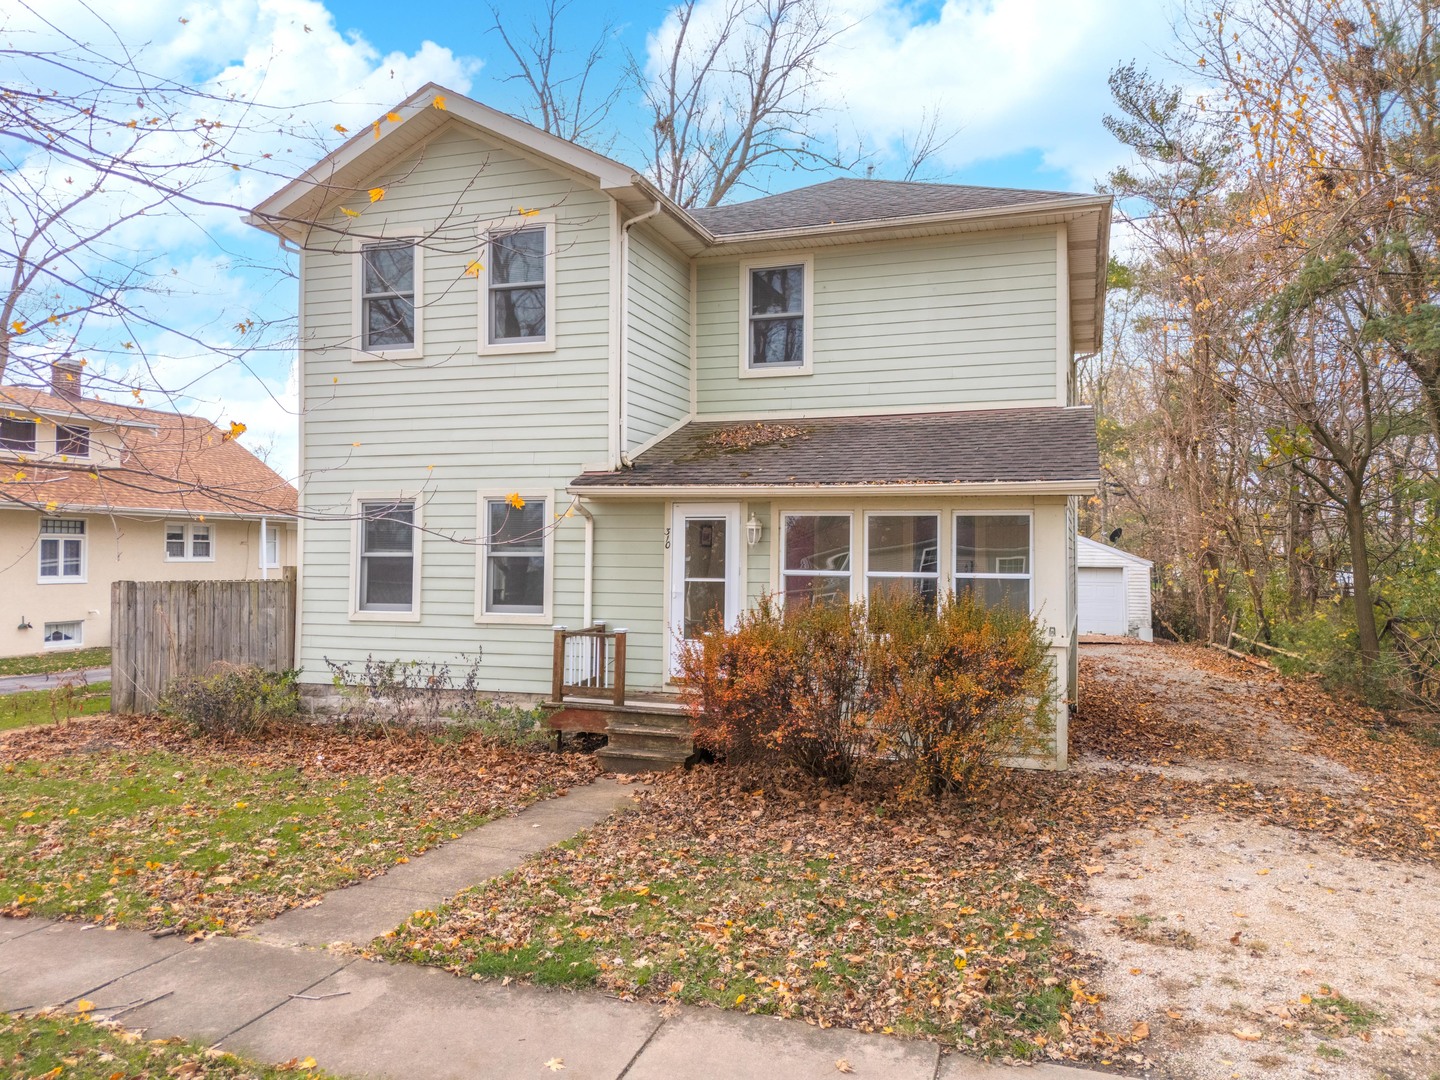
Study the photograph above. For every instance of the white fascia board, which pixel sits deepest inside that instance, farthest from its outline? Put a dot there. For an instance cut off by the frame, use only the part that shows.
(850, 491)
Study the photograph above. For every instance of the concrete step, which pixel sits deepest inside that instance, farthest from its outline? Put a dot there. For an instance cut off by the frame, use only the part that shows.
(614, 759)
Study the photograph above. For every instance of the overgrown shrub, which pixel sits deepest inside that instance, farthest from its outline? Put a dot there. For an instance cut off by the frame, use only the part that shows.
(958, 688)
(232, 699)
(822, 686)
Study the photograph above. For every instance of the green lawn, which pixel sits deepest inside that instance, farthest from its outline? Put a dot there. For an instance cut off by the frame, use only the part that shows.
(60, 660)
(139, 822)
(29, 707)
(73, 1048)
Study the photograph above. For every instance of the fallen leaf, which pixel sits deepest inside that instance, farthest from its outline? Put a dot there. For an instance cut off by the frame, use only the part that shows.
(1140, 1032)
(1245, 1035)
(555, 1064)
(841, 1065)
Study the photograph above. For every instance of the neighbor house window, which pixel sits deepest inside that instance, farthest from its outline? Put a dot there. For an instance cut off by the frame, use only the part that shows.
(514, 556)
(62, 549)
(59, 635)
(388, 300)
(902, 555)
(72, 441)
(992, 558)
(188, 542)
(17, 435)
(775, 314)
(815, 558)
(519, 278)
(270, 549)
(387, 556)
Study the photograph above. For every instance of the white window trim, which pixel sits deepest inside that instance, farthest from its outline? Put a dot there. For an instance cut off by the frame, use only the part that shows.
(484, 346)
(807, 367)
(189, 527)
(356, 542)
(357, 304)
(777, 531)
(272, 531)
(955, 576)
(60, 646)
(941, 558)
(61, 578)
(482, 549)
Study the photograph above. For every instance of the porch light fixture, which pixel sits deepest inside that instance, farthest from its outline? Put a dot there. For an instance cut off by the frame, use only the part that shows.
(753, 529)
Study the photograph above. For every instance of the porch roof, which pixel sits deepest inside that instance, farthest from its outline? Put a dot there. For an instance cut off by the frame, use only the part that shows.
(1036, 449)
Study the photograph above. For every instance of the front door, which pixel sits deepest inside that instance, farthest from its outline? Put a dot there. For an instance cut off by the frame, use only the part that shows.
(705, 571)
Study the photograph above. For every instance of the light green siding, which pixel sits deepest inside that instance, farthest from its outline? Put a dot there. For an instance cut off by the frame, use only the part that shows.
(966, 320)
(443, 427)
(658, 388)
(630, 584)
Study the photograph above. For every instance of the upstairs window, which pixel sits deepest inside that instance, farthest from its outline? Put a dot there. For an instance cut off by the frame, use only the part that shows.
(72, 441)
(389, 288)
(62, 549)
(188, 542)
(519, 289)
(387, 556)
(776, 317)
(17, 435)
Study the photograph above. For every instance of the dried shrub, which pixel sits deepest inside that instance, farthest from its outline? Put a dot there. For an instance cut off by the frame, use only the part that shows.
(942, 693)
(411, 693)
(232, 699)
(958, 688)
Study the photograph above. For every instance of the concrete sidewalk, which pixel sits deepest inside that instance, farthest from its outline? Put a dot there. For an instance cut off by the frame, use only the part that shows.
(274, 996)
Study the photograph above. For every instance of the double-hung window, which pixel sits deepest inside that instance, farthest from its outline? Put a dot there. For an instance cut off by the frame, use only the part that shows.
(270, 549)
(188, 542)
(515, 553)
(993, 559)
(775, 318)
(902, 555)
(72, 440)
(387, 556)
(17, 435)
(518, 299)
(389, 298)
(815, 559)
(62, 549)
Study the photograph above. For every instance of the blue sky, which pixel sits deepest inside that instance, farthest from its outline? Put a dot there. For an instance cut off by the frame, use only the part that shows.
(1023, 81)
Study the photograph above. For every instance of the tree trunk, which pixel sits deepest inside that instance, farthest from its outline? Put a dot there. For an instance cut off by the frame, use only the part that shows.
(1360, 572)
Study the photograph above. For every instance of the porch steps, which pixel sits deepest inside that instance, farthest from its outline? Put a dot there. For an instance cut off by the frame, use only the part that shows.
(642, 737)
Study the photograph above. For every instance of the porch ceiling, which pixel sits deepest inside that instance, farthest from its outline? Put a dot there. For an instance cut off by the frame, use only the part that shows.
(1041, 448)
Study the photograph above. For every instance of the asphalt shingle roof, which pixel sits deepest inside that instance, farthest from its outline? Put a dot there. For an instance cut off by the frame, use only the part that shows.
(985, 446)
(171, 462)
(847, 201)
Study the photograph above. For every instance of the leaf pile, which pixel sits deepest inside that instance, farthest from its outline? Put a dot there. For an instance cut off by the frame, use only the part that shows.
(137, 822)
(743, 437)
(52, 1046)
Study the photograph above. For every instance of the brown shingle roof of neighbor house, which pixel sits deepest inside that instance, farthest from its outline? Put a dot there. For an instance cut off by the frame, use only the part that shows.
(993, 446)
(848, 201)
(170, 463)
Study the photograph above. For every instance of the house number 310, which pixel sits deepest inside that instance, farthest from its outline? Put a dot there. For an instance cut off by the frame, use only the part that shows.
(667, 539)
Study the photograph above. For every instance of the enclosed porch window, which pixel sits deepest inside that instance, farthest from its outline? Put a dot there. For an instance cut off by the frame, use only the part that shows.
(993, 559)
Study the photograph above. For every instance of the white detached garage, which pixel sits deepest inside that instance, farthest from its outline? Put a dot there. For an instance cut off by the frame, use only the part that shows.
(1112, 591)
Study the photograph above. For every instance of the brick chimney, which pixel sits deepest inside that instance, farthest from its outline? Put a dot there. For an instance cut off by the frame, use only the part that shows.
(65, 379)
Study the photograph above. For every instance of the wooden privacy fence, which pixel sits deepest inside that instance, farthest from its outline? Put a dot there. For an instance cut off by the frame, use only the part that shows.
(160, 630)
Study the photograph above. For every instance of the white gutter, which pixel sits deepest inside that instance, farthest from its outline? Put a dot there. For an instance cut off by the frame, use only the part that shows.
(876, 490)
(624, 386)
(589, 585)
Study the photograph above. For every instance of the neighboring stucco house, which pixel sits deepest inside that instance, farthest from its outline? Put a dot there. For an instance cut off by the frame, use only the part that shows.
(95, 492)
(853, 386)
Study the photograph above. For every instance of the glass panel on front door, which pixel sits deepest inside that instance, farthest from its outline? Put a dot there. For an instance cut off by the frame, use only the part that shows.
(704, 583)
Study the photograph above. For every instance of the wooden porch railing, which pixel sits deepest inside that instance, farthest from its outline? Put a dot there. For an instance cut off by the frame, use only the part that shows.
(589, 662)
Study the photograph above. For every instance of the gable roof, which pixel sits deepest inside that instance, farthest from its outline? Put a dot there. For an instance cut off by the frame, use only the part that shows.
(170, 463)
(1095, 547)
(1033, 447)
(845, 210)
(848, 201)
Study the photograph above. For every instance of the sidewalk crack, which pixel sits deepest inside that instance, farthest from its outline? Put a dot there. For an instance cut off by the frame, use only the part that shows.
(636, 1056)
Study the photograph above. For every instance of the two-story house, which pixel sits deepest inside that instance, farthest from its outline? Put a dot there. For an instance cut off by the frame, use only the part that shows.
(95, 492)
(536, 392)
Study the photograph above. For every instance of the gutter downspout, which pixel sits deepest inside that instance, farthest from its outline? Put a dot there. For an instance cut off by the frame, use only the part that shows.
(589, 585)
(624, 420)
(264, 564)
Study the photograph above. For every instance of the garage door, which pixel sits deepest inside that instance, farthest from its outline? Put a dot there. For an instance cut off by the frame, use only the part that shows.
(1101, 600)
